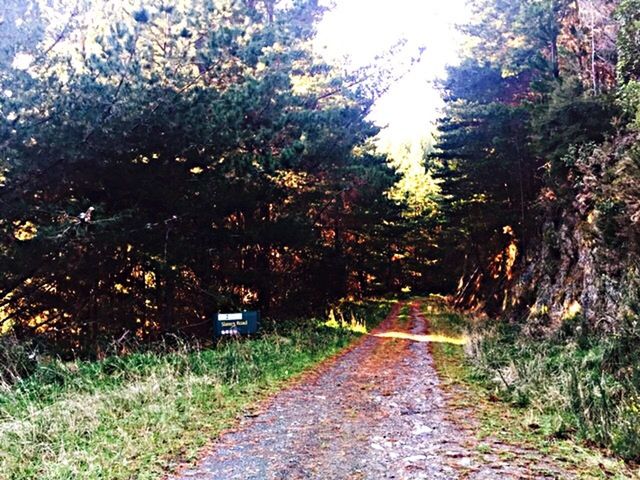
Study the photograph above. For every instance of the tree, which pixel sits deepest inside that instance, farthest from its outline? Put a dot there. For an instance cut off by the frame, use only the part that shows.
(166, 162)
(628, 15)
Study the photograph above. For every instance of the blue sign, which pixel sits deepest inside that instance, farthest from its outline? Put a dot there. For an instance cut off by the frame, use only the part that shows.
(234, 324)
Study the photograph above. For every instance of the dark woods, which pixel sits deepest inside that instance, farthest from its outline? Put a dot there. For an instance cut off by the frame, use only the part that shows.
(159, 165)
(547, 94)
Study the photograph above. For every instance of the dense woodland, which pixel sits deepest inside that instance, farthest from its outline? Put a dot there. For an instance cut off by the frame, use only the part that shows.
(161, 163)
(164, 163)
(539, 170)
(538, 163)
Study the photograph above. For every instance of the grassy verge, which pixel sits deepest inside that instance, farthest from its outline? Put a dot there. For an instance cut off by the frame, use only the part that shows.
(135, 416)
(501, 414)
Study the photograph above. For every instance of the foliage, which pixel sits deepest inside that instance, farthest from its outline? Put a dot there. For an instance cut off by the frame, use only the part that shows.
(571, 118)
(629, 101)
(628, 15)
(536, 86)
(18, 359)
(486, 167)
(416, 188)
(581, 384)
(161, 163)
(472, 384)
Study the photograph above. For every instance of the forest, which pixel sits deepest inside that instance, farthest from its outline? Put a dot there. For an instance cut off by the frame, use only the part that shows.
(156, 170)
(167, 160)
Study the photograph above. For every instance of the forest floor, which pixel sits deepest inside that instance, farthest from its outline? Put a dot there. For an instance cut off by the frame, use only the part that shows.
(380, 410)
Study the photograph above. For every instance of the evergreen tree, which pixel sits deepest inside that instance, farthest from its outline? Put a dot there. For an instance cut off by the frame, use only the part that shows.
(166, 162)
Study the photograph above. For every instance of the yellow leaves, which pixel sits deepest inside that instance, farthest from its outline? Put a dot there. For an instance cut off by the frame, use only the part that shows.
(397, 257)
(572, 310)
(141, 159)
(479, 198)
(6, 326)
(277, 47)
(292, 180)
(150, 279)
(517, 42)
(416, 188)
(196, 170)
(353, 324)
(44, 320)
(302, 85)
(538, 310)
(25, 231)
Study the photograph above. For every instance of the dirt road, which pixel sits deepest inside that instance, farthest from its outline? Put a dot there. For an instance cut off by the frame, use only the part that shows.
(375, 412)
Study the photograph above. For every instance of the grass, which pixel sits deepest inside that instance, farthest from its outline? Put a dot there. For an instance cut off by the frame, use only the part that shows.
(542, 422)
(140, 415)
(404, 315)
(572, 385)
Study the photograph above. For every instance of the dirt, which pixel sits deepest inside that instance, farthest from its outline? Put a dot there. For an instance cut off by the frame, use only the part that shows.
(378, 411)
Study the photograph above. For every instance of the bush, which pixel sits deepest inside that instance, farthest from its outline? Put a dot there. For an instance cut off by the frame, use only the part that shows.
(629, 101)
(628, 17)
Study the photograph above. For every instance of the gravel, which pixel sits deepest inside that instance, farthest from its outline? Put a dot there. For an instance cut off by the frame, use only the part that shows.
(375, 412)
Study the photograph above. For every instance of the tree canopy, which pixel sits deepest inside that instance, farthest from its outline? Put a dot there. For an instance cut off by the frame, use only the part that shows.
(163, 163)
(545, 83)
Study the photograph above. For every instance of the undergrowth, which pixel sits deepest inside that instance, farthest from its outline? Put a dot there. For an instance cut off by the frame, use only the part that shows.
(573, 385)
(524, 391)
(136, 416)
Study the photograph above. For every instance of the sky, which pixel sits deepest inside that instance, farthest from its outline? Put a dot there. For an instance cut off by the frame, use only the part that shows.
(361, 29)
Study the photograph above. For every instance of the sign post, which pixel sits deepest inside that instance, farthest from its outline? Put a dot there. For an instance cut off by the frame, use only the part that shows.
(235, 324)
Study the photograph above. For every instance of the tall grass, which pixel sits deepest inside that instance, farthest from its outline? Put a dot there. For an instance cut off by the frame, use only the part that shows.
(135, 416)
(576, 384)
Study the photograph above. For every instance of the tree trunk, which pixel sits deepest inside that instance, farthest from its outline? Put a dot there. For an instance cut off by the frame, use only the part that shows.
(263, 264)
(555, 61)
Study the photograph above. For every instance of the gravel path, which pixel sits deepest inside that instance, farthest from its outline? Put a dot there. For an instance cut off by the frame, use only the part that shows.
(376, 412)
